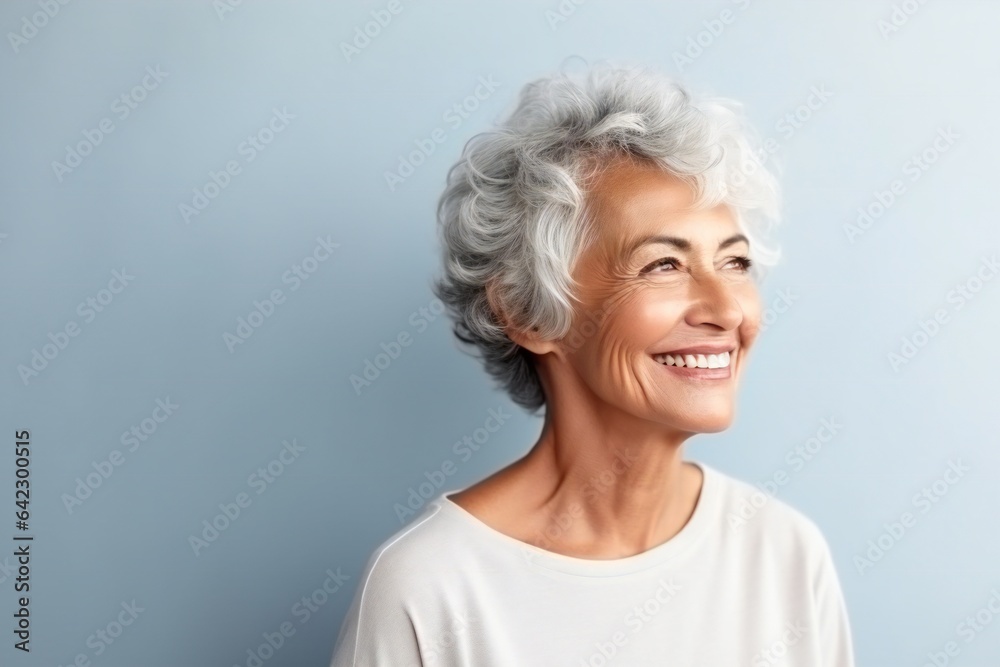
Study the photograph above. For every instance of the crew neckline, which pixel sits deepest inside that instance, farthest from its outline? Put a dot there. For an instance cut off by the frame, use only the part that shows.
(697, 524)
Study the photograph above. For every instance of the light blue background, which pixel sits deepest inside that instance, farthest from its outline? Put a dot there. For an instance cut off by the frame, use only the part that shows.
(826, 356)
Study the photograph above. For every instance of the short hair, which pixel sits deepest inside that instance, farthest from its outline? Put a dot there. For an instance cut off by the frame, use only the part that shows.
(513, 209)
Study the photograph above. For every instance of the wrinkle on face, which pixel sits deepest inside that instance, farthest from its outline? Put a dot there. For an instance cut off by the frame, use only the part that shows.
(703, 298)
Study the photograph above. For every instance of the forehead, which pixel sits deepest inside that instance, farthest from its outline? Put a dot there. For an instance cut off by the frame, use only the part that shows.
(632, 199)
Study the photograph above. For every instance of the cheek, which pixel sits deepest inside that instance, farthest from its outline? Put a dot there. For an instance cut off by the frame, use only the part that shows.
(612, 357)
(750, 303)
(627, 321)
(645, 318)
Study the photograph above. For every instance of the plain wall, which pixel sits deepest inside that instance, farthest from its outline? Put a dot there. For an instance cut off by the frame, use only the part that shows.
(845, 297)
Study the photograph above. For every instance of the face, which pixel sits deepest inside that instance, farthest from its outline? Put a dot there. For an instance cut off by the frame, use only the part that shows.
(662, 278)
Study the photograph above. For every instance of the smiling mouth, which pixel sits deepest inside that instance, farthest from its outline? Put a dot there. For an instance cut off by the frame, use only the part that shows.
(703, 365)
(721, 360)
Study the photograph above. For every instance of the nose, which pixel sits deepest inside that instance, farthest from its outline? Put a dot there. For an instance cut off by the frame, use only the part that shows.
(714, 302)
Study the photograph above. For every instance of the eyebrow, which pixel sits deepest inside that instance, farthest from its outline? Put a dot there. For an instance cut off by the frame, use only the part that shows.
(679, 243)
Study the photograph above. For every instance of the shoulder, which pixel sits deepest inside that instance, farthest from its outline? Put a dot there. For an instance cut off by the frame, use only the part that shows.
(413, 561)
(756, 516)
(783, 547)
(399, 589)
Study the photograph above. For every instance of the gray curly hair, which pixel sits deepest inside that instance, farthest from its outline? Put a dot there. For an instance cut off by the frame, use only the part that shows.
(513, 211)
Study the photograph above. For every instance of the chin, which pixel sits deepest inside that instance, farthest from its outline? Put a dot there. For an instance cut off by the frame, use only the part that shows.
(703, 423)
(715, 427)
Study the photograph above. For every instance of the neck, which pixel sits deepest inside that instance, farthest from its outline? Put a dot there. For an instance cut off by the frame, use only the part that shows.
(600, 477)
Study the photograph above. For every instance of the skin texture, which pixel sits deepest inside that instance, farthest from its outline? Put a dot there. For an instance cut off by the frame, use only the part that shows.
(606, 477)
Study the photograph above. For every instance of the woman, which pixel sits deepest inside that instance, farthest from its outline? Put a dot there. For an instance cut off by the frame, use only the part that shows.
(600, 251)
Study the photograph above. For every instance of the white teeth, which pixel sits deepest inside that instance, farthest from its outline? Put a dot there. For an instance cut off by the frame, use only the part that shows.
(695, 360)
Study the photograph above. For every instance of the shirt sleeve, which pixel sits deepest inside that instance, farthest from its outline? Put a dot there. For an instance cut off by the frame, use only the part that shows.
(377, 630)
(834, 628)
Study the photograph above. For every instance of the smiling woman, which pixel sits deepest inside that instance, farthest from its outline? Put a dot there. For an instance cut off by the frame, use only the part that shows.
(602, 250)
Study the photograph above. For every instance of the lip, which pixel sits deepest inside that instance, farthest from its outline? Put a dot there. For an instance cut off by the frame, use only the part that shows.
(718, 348)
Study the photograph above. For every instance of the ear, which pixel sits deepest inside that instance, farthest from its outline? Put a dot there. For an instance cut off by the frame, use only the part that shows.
(527, 339)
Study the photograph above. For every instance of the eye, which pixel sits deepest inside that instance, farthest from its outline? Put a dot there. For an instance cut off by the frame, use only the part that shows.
(743, 261)
(663, 261)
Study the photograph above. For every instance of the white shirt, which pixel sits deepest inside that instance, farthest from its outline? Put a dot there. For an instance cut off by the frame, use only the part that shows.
(748, 580)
